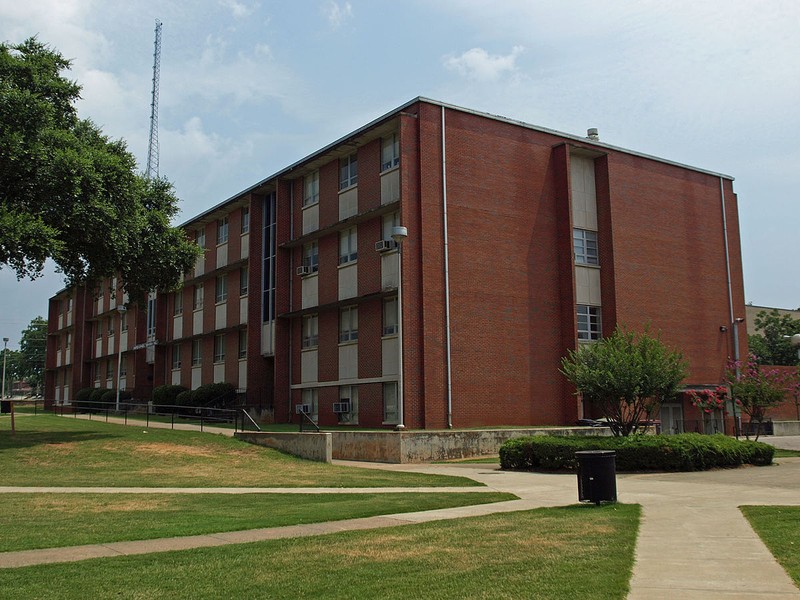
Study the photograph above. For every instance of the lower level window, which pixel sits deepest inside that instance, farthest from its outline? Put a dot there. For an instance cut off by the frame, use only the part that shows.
(391, 412)
(589, 323)
(310, 398)
(219, 348)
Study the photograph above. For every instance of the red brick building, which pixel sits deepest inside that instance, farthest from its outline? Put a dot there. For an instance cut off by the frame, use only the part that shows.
(521, 243)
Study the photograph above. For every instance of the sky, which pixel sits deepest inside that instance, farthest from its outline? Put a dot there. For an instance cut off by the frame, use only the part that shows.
(249, 87)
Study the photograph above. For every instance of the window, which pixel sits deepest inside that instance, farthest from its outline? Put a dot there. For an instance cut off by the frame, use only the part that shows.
(123, 321)
(243, 343)
(589, 323)
(110, 325)
(197, 356)
(391, 412)
(109, 369)
(311, 256)
(390, 152)
(176, 356)
(222, 230)
(245, 219)
(311, 398)
(269, 250)
(348, 171)
(200, 237)
(69, 304)
(348, 324)
(585, 245)
(390, 316)
(123, 367)
(69, 340)
(177, 303)
(349, 394)
(219, 348)
(244, 281)
(348, 246)
(310, 331)
(222, 289)
(197, 299)
(311, 189)
(151, 315)
(99, 330)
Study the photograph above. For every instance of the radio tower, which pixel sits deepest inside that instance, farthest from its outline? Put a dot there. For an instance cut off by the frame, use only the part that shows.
(152, 152)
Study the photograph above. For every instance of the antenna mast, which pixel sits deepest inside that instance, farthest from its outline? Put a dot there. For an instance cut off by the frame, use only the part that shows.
(152, 152)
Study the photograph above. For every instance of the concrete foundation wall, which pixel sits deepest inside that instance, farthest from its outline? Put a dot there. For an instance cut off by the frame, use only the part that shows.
(428, 446)
(786, 428)
(312, 446)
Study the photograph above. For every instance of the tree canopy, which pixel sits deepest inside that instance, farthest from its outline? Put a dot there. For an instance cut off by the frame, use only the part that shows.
(70, 194)
(626, 375)
(32, 347)
(769, 345)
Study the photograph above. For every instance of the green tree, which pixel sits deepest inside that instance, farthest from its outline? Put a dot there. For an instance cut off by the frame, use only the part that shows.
(756, 389)
(770, 345)
(70, 194)
(626, 375)
(12, 369)
(32, 346)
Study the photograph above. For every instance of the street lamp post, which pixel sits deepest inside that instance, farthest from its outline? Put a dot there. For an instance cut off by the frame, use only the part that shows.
(121, 310)
(5, 352)
(399, 234)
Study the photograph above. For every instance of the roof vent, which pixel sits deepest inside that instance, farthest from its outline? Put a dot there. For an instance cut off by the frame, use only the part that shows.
(592, 134)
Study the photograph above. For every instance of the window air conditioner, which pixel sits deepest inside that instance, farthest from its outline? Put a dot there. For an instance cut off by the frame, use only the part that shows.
(341, 407)
(302, 408)
(304, 270)
(385, 245)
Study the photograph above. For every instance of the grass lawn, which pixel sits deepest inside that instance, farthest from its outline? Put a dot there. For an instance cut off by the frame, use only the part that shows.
(62, 451)
(50, 520)
(781, 453)
(572, 552)
(779, 529)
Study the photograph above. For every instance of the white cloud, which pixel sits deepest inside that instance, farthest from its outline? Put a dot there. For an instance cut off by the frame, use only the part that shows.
(336, 13)
(238, 9)
(479, 65)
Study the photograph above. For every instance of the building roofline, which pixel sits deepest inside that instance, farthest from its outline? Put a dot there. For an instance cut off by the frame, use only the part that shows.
(401, 108)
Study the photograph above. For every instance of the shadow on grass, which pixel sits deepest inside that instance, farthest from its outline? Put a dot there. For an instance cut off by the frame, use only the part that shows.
(29, 439)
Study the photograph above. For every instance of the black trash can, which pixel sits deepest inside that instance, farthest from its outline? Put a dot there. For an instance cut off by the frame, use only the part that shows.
(597, 476)
(5, 406)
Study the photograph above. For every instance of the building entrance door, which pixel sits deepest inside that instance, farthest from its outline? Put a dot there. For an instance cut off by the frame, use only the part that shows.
(671, 416)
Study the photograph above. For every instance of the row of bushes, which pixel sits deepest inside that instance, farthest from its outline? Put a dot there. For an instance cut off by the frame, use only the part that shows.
(682, 452)
(210, 395)
(92, 397)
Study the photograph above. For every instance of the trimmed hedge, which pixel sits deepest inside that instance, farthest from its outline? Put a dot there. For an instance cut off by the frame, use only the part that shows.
(683, 452)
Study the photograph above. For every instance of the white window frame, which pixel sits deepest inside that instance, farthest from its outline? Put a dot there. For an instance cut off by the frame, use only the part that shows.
(349, 393)
(311, 256)
(391, 404)
(219, 348)
(348, 324)
(198, 296)
(348, 246)
(584, 245)
(391, 319)
(177, 303)
(310, 396)
(221, 289)
(311, 189)
(245, 220)
(200, 237)
(390, 152)
(176, 357)
(242, 344)
(244, 281)
(222, 231)
(197, 353)
(590, 322)
(310, 332)
(348, 171)
(390, 221)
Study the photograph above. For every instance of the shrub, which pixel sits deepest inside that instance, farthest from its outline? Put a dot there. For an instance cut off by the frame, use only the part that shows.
(216, 395)
(110, 396)
(184, 398)
(97, 394)
(82, 398)
(684, 452)
(166, 395)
